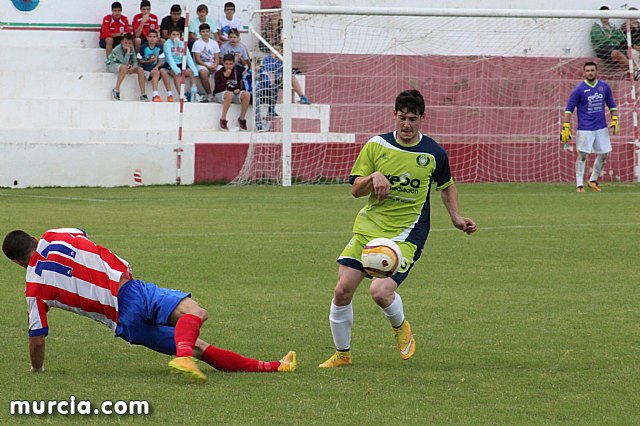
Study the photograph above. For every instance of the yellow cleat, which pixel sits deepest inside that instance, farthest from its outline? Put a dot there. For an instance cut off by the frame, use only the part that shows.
(289, 363)
(187, 365)
(580, 189)
(339, 359)
(404, 340)
(593, 185)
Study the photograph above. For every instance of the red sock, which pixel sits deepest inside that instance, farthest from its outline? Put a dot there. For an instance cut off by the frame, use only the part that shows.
(186, 334)
(224, 360)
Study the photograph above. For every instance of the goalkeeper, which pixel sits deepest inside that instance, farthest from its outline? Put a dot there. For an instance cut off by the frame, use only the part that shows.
(590, 97)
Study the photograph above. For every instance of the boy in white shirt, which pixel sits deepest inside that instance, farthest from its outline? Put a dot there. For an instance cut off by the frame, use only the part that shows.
(206, 54)
(227, 22)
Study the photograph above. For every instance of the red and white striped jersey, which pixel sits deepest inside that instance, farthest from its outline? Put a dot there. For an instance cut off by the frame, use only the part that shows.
(71, 272)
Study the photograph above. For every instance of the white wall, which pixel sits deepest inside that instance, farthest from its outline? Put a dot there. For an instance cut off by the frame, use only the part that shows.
(446, 35)
(90, 164)
(473, 4)
(92, 11)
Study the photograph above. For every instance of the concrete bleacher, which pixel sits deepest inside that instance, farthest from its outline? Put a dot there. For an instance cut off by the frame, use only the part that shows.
(57, 95)
(57, 109)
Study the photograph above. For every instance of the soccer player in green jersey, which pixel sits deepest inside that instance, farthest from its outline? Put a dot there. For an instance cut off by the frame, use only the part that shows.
(395, 170)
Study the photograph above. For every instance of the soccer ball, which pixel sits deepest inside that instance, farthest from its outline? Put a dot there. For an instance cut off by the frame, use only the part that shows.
(381, 257)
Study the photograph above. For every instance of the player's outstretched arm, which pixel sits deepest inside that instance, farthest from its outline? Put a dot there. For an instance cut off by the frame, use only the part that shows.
(449, 197)
(36, 353)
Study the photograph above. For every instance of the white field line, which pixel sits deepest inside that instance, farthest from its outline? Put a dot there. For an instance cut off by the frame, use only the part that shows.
(49, 197)
(348, 232)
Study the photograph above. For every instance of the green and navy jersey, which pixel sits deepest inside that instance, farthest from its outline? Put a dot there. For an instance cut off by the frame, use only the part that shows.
(404, 214)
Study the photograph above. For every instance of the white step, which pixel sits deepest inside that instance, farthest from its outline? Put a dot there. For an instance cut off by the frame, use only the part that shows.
(158, 137)
(116, 115)
(52, 58)
(72, 85)
(132, 115)
(52, 39)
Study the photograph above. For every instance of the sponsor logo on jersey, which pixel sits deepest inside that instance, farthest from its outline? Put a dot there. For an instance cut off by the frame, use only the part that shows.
(423, 160)
(404, 265)
(403, 180)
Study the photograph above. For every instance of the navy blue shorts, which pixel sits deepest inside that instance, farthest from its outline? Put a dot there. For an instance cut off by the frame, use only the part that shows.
(116, 41)
(143, 315)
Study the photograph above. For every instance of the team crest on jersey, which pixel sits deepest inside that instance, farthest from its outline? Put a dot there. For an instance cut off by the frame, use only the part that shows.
(423, 160)
(25, 5)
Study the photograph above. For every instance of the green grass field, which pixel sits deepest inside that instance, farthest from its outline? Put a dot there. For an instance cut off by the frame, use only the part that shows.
(532, 320)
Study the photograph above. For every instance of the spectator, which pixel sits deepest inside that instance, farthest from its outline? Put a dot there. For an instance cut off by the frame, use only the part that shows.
(114, 26)
(228, 22)
(272, 31)
(607, 41)
(237, 49)
(122, 61)
(229, 89)
(144, 22)
(174, 20)
(194, 25)
(150, 58)
(174, 50)
(206, 55)
(272, 68)
(634, 31)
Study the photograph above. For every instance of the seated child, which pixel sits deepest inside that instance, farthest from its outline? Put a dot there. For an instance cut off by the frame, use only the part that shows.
(151, 58)
(123, 61)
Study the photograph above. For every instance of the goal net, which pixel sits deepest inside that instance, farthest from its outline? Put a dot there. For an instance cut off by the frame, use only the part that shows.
(495, 88)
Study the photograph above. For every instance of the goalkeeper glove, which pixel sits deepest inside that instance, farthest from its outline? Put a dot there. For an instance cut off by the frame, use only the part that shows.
(615, 125)
(565, 134)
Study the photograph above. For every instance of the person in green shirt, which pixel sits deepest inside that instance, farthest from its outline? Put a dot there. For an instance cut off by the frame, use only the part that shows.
(396, 171)
(609, 42)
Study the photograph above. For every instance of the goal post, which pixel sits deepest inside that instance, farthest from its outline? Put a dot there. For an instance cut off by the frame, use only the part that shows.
(495, 84)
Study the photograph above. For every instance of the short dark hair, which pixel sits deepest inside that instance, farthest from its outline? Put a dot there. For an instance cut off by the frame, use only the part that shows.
(153, 32)
(116, 5)
(174, 29)
(176, 8)
(234, 31)
(228, 57)
(204, 26)
(230, 4)
(604, 7)
(145, 3)
(127, 36)
(590, 64)
(18, 245)
(410, 101)
(202, 7)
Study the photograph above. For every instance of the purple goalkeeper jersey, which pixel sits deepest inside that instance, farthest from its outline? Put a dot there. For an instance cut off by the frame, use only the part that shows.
(590, 101)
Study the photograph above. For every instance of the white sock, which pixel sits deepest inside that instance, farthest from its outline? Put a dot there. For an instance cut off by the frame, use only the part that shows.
(395, 312)
(194, 88)
(598, 165)
(581, 165)
(341, 321)
(169, 93)
(155, 93)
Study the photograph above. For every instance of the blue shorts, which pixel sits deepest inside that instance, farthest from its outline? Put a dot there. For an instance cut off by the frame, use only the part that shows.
(143, 314)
